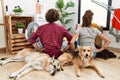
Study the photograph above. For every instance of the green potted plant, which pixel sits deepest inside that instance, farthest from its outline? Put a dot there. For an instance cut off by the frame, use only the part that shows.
(20, 27)
(17, 10)
(63, 9)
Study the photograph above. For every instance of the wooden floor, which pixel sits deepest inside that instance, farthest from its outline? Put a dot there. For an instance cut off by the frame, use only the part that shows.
(110, 68)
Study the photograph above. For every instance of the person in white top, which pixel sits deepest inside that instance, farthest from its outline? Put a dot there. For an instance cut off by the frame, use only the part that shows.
(86, 34)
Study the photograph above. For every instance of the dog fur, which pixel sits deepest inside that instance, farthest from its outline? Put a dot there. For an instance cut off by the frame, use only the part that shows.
(84, 58)
(34, 60)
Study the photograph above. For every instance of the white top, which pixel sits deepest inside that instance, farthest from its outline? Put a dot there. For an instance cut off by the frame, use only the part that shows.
(87, 36)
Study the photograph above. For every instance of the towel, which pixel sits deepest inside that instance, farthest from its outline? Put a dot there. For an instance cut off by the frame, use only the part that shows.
(115, 22)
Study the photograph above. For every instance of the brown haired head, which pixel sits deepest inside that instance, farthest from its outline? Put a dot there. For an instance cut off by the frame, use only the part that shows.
(52, 15)
(87, 18)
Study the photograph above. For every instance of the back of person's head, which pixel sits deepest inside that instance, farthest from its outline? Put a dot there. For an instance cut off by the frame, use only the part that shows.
(87, 18)
(52, 15)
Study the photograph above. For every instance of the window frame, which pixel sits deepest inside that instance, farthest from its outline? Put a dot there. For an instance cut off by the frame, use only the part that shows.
(107, 19)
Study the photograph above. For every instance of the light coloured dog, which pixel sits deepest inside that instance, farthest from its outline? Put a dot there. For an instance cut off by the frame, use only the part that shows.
(84, 58)
(34, 60)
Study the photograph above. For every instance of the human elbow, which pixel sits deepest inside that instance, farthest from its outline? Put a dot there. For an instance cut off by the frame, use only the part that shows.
(71, 42)
(108, 41)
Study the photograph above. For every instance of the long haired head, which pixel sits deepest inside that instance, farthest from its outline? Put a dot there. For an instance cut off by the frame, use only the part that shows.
(87, 18)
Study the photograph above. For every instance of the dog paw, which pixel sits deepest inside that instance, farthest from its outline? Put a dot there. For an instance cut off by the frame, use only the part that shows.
(2, 63)
(15, 78)
(78, 74)
(102, 76)
(52, 72)
(13, 75)
(62, 69)
(2, 58)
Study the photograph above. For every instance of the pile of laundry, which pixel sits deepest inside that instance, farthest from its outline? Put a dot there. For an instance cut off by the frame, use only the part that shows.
(105, 54)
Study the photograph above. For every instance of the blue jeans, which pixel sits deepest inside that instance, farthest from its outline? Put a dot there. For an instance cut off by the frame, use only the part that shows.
(39, 43)
(94, 54)
(64, 44)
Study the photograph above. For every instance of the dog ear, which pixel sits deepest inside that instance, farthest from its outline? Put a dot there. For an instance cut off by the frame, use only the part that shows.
(91, 52)
(79, 48)
(52, 60)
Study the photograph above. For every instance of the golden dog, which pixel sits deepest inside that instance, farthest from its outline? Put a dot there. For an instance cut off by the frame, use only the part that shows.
(34, 60)
(84, 58)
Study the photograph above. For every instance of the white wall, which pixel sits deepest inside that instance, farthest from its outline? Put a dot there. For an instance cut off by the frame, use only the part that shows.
(116, 3)
(29, 6)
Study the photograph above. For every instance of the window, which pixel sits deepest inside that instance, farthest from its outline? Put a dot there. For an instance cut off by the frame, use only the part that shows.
(101, 15)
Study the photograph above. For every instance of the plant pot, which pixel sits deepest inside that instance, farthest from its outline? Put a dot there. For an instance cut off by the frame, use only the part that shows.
(20, 30)
(18, 13)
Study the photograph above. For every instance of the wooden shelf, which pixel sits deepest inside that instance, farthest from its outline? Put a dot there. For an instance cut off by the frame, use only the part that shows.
(15, 41)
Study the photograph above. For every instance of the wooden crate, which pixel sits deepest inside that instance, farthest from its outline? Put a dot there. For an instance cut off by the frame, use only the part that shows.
(15, 41)
(18, 42)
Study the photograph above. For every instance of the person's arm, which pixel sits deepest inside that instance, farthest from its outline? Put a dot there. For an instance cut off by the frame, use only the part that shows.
(73, 40)
(65, 49)
(36, 47)
(106, 42)
(32, 40)
(68, 36)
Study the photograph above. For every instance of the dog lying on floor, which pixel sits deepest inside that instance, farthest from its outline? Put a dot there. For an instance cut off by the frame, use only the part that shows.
(34, 60)
(84, 58)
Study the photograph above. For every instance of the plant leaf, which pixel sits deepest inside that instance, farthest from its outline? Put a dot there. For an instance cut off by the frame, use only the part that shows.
(69, 4)
(67, 21)
(69, 28)
(17, 9)
(66, 14)
(60, 4)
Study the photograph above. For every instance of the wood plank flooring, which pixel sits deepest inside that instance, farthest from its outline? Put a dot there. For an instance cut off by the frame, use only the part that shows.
(110, 68)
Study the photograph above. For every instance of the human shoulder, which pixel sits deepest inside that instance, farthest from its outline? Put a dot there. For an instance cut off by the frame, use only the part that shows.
(79, 30)
(97, 31)
(43, 25)
(61, 26)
